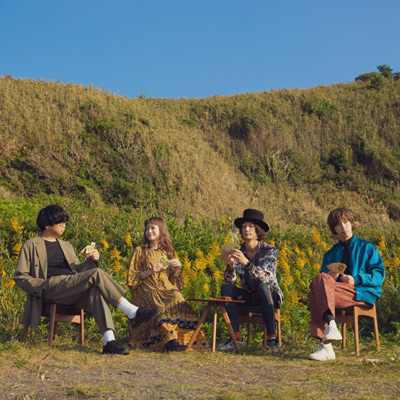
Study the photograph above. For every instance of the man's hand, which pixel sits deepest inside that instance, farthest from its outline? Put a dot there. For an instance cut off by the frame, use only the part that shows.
(239, 256)
(93, 255)
(227, 259)
(333, 274)
(347, 279)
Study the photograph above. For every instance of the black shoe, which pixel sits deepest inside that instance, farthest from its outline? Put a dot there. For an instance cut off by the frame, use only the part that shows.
(143, 315)
(174, 345)
(113, 347)
(273, 344)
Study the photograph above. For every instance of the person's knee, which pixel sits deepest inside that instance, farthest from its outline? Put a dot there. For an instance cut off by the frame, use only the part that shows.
(263, 290)
(227, 289)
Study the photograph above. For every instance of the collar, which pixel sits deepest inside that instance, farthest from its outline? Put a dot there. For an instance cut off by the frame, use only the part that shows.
(347, 242)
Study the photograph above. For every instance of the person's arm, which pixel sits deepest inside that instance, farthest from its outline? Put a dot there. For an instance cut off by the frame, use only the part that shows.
(22, 276)
(175, 276)
(230, 275)
(373, 273)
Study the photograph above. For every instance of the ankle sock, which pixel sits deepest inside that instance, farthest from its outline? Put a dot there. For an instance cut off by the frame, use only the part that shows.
(271, 336)
(128, 308)
(238, 335)
(108, 336)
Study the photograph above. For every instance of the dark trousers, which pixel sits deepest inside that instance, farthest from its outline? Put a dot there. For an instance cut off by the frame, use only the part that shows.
(263, 298)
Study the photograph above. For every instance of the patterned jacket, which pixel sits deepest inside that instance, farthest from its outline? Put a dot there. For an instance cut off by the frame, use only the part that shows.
(262, 270)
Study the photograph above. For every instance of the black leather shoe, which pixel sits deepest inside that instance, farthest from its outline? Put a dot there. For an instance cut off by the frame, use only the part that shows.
(143, 315)
(174, 345)
(113, 347)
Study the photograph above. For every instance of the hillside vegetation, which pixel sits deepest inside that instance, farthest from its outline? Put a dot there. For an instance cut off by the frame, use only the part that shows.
(113, 161)
(295, 154)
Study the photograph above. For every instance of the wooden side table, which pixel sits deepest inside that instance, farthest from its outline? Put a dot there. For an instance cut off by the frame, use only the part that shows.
(216, 303)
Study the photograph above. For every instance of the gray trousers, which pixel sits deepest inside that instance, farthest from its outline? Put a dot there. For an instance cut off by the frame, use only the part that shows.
(93, 290)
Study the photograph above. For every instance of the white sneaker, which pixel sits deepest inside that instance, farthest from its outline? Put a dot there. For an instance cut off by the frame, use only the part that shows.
(324, 353)
(332, 333)
(230, 346)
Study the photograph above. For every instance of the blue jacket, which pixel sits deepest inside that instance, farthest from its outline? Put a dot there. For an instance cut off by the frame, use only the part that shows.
(366, 266)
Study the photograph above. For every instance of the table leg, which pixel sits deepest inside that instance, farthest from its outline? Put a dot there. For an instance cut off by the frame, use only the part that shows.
(199, 325)
(229, 325)
(214, 331)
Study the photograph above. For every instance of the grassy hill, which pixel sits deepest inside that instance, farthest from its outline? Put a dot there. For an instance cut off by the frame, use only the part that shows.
(295, 154)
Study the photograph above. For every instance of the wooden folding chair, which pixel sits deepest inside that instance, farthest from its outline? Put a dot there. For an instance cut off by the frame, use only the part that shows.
(253, 315)
(60, 313)
(350, 315)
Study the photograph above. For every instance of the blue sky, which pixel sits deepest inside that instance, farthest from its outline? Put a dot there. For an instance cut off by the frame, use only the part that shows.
(188, 48)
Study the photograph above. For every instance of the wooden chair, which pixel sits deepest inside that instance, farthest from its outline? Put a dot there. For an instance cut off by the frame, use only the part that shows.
(60, 313)
(253, 315)
(350, 315)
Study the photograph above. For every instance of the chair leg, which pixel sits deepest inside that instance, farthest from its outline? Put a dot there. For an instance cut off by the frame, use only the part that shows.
(53, 309)
(265, 335)
(376, 331)
(355, 324)
(278, 323)
(343, 335)
(82, 329)
(25, 333)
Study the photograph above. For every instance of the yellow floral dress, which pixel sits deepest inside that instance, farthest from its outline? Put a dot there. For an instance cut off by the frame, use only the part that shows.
(177, 319)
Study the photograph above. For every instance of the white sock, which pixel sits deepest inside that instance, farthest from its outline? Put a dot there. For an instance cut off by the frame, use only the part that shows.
(108, 336)
(128, 308)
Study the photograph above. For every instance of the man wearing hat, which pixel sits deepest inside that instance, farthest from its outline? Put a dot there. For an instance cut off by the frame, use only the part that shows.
(255, 264)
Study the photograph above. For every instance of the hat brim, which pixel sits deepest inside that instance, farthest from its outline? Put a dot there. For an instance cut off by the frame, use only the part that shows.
(239, 222)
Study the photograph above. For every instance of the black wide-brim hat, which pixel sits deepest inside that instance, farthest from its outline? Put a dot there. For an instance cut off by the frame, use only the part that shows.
(254, 216)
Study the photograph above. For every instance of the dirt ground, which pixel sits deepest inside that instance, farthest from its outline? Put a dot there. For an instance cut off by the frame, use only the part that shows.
(65, 372)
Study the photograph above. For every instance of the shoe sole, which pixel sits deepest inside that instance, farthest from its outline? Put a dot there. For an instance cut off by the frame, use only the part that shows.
(332, 340)
(133, 326)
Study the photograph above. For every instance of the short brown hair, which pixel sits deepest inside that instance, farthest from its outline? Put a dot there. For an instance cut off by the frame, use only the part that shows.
(260, 232)
(336, 216)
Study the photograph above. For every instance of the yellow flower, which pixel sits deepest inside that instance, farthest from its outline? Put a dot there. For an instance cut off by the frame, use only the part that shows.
(315, 236)
(316, 266)
(217, 275)
(115, 253)
(9, 283)
(206, 288)
(272, 242)
(127, 239)
(382, 244)
(104, 243)
(16, 249)
(15, 226)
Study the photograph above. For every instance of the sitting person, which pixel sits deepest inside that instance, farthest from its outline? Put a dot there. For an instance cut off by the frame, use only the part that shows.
(155, 279)
(255, 263)
(49, 271)
(361, 281)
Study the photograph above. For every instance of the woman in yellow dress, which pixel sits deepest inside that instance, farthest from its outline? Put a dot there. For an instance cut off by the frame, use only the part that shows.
(155, 279)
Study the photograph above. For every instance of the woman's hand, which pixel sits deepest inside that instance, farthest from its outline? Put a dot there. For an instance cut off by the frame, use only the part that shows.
(228, 259)
(239, 256)
(93, 255)
(347, 279)
(157, 267)
(176, 264)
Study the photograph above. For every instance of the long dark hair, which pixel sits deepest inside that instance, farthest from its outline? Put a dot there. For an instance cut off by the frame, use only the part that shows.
(165, 242)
